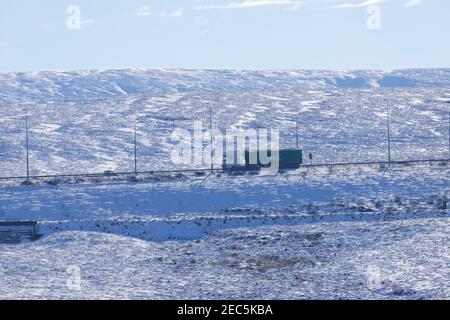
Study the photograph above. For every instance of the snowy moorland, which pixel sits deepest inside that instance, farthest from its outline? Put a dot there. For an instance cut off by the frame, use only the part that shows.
(373, 260)
(359, 231)
(82, 122)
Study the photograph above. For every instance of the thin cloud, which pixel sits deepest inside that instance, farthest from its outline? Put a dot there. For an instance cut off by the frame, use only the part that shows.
(249, 4)
(143, 11)
(358, 5)
(413, 3)
(174, 14)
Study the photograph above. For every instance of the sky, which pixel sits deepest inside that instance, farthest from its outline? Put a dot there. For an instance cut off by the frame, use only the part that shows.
(224, 34)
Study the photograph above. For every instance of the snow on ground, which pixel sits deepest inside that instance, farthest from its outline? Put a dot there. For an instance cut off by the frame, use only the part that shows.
(363, 231)
(378, 260)
(358, 233)
(82, 129)
(416, 188)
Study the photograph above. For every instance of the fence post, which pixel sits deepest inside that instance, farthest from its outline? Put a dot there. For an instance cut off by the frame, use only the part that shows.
(211, 138)
(135, 149)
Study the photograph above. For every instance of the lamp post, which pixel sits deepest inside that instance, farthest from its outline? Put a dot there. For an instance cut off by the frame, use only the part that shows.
(135, 149)
(27, 146)
(211, 138)
(389, 132)
(448, 111)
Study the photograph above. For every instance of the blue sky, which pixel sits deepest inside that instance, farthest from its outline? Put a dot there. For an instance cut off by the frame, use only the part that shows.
(224, 34)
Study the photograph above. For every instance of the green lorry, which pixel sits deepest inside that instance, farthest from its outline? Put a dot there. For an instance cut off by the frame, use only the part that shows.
(288, 158)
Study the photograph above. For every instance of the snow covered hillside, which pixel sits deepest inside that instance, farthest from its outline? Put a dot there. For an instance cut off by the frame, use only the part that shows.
(94, 84)
(360, 231)
(356, 260)
(83, 121)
